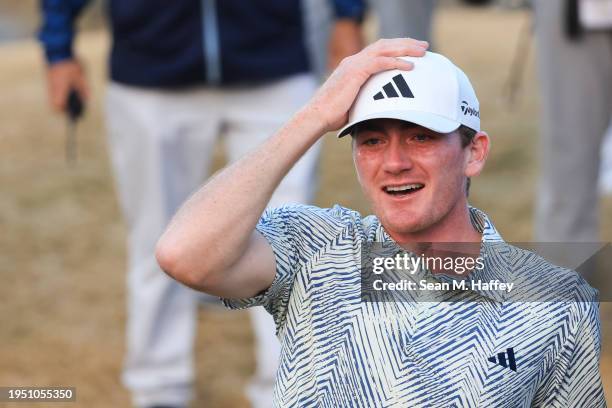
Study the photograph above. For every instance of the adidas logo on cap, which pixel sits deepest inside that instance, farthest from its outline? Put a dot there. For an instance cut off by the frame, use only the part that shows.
(390, 92)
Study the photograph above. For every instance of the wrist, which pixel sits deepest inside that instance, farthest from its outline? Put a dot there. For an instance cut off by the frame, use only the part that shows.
(56, 56)
(311, 123)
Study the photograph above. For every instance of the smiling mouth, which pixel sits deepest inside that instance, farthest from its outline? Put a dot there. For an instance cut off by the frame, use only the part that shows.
(403, 190)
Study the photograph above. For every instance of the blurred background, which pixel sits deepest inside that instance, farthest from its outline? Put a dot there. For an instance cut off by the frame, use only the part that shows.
(62, 239)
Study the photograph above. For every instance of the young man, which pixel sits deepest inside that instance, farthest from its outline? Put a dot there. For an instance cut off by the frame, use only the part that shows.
(416, 141)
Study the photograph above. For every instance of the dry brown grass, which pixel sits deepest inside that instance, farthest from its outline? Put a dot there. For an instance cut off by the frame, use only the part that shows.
(62, 254)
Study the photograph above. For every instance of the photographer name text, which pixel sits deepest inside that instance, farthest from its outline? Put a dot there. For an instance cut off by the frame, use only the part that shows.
(423, 284)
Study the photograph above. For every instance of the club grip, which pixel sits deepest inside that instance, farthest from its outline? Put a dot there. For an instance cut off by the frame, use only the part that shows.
(74, 105)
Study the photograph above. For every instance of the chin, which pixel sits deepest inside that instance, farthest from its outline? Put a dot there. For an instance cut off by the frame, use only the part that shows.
(407, 221)
(412, 227)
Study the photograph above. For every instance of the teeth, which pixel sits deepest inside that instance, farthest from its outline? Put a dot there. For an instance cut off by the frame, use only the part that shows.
(405, 187)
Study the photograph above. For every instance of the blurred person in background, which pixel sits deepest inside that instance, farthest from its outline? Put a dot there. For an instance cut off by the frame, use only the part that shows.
(395, 19)
(605, 172)
(404, 18)
(574, 39)
(181, 74)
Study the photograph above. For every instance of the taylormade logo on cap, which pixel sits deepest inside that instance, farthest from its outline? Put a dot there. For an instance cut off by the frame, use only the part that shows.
(436, 94)
(467, 110)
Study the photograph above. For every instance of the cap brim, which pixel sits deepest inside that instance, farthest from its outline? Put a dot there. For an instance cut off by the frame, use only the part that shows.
(428, 120)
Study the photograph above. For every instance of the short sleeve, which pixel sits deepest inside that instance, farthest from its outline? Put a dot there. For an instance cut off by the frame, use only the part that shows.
(576, 381)
(273, 225)
(296, 234)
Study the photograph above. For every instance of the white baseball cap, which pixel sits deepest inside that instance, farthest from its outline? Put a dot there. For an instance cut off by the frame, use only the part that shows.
(435, 94)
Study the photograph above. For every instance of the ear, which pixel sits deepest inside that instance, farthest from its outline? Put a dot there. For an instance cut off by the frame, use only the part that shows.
(477, 153)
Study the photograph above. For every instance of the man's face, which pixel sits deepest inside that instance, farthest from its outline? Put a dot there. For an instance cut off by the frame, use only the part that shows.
(413, 177)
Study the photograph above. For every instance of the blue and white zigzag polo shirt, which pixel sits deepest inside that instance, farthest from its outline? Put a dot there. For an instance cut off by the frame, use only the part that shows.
(482, 350)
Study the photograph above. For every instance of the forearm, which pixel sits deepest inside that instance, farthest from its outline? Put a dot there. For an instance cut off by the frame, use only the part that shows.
(212, 229)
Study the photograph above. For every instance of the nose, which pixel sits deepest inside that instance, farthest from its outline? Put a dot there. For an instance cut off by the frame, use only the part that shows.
(397, 157)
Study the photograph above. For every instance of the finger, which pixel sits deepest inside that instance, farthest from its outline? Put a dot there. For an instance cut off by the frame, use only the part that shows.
(388, 63)
(82, 88)
(58, 84)
(59, 94)
(402, 49)
(399, 47)
(81, 83)
(394, 42)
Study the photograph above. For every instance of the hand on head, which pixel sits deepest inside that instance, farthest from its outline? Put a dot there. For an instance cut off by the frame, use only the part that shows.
(334, 99)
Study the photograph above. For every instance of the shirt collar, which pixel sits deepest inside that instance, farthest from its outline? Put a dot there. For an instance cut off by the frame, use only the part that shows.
(493, 251)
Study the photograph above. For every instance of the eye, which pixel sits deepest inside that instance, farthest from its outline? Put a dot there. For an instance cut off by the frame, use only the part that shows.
(372, 141)
(369, 139)
(422, 137)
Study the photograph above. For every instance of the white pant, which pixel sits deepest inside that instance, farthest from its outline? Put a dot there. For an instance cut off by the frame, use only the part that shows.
(575, 86)
(605, 169)
(161, 143)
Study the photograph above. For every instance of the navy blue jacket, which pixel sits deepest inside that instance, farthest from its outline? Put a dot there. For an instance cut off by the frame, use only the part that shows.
(161, 43)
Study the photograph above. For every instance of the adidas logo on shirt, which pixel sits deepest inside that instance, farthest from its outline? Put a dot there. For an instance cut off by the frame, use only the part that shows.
(389, 90)
(505, 360)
